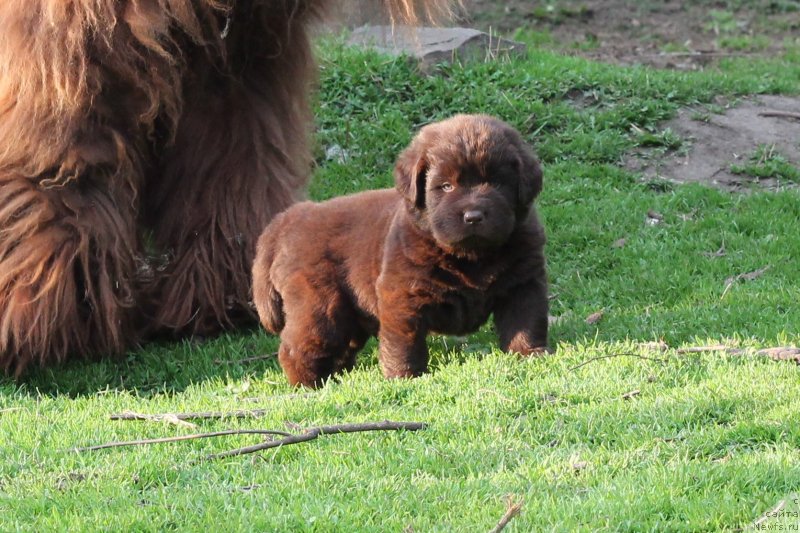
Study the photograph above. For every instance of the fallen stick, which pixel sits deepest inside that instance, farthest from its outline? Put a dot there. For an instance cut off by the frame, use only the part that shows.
(701, 349)
(242, 413)
(778, 508)
(599, 357)
(250, 413)
(144, 442)
(783, 114)
(264, 357)
(314, 432)
(512, 510)
(288, 438)
(631, 394)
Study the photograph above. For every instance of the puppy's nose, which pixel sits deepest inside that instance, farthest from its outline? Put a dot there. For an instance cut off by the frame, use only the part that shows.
(473, 217)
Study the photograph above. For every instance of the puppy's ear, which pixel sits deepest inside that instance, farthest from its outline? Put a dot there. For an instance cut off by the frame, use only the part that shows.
(410, 171)
(530, 176)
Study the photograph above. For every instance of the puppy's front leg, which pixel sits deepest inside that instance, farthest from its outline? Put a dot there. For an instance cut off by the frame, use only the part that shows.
(403, 351)
(521, 318)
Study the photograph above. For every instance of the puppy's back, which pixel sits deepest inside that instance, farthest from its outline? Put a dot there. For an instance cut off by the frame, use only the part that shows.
(343, 235)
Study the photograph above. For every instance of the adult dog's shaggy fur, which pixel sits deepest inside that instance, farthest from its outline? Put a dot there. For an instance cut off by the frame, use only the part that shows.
(456, 241)
(179, 123)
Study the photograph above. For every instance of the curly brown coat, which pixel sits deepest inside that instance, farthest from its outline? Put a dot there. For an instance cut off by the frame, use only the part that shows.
(139, 128)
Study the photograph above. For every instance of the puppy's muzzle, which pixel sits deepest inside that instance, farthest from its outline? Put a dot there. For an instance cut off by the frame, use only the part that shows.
(474, 217)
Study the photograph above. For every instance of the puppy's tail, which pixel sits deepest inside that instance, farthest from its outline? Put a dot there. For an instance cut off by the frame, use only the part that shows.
(266, 297)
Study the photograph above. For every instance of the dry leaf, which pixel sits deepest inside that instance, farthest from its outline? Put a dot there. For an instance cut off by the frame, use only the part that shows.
(657, 346)
(654, 217)
(594, 318)
(719, 253)
(747, 276)
(577, 466)
(631, 394)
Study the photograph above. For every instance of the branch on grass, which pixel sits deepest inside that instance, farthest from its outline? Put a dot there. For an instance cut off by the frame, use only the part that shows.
(513, 508)
(778, 508)
(782, 114)
(599, 357)
(631, 394)
(747, 276)
(288, 438)
(242, 413)
(708, 348)
(705, 53)
(193, 436)
(314, 432)
(264, 357)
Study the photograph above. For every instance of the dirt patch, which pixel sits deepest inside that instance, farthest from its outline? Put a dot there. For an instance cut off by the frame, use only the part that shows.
(754, 143)
(734, 147)
(662, 33)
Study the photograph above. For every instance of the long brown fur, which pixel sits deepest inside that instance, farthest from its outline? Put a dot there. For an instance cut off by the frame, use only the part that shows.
(132, 129)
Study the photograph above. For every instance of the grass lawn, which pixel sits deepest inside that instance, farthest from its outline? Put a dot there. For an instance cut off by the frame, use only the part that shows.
(710, 442)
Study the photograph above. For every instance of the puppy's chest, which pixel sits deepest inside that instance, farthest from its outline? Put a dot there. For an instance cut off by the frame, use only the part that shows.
(462, 299)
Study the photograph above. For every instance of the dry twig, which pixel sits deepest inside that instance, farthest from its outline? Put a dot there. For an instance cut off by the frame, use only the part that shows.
(264, 357)
(599, 357)
(700, 349)
(783, 114)
(747, 276)
(193, 436)
(242, 413)
(778, 508)
(314, 432)
(631, 394)
(513, 508)
(288, 438)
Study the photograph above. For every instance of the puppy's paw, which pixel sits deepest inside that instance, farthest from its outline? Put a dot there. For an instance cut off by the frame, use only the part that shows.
(531, 351)
(526, 344)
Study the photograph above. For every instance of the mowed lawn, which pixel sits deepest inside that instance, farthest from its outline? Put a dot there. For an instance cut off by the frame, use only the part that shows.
(646, 440)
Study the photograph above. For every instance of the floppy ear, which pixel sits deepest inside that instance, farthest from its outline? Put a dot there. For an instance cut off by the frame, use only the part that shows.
(410, 171)
(530, 177)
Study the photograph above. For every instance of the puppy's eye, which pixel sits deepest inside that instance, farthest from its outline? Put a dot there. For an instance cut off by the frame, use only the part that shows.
(446, 187)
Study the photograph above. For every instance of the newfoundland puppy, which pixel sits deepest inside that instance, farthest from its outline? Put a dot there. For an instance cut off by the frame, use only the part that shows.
(456, 241)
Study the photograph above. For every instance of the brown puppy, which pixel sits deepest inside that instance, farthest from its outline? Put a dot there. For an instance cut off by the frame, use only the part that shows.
(457, 241)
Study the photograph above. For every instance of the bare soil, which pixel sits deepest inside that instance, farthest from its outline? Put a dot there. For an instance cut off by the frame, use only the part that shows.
(715, 144)
(686, 35)
(661, 33)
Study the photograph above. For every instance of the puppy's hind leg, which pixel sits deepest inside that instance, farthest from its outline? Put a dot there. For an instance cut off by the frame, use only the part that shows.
(320, 339)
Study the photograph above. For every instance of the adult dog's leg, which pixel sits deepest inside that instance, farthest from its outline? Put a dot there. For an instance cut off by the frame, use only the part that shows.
(67, 262)
(71, 165)
(239, 157)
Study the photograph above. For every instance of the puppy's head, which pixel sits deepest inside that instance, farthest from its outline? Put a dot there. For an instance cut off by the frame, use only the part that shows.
(471, 179)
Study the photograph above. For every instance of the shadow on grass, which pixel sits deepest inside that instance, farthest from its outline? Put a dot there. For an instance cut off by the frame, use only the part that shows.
(156, 368)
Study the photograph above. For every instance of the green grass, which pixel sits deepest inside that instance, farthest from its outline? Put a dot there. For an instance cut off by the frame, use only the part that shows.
(711, 442)
(766, 162)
